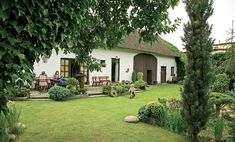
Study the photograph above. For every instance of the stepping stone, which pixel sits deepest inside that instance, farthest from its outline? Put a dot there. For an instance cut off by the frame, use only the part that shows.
(131, 119)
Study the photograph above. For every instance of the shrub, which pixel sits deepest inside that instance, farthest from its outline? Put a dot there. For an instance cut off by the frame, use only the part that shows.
(220, 100)
(72, 83)
(58, 93)
(161, 115)
(20, 92)
(143, 114)
(232, 126)
(174, 104)
(232, 131)
(141, 84)
(218, 129)
(140, 76)
(107, 89)
(175, 122)
(9, 124)
(134, 76)
(3, 128)
(121, 88)
(153, 113)
(221, 83)
(83, 90)
(14, 126)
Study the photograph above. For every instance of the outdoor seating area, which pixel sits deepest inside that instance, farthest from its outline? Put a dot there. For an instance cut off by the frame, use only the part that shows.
(100, 80)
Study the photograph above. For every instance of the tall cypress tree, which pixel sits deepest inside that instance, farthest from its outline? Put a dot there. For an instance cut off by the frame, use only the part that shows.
(198, 44)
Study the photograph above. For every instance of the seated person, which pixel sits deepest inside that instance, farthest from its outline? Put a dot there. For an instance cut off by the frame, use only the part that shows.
(56, 76)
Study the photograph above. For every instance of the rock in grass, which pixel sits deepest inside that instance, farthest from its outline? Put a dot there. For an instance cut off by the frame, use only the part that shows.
(131, 119)
(12, 137)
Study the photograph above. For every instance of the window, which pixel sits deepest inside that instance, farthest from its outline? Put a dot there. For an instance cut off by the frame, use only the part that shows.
(64, 68)
(172, 71)
(102, 62)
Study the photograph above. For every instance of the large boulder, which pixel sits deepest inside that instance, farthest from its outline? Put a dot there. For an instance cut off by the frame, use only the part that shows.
(131, 119)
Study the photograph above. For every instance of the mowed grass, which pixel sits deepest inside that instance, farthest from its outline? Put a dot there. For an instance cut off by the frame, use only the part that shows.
(95, 119)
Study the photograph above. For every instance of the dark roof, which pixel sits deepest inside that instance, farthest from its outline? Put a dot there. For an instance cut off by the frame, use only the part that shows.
(132, 42)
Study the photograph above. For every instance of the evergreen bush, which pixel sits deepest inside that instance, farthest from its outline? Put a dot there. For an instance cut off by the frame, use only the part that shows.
(121, 88)
(134, 76)
(59, 93)
(221, 83)
(140, 84)
(107, 89)
(72, 83)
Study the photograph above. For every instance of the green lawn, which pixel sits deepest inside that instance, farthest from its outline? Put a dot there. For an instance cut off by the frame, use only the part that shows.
(94, 119)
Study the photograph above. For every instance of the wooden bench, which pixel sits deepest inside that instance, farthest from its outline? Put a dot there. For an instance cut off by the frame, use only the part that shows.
(104, 79)
(100, 80)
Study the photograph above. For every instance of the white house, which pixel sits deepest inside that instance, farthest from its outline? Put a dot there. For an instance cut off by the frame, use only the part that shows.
(155, 61)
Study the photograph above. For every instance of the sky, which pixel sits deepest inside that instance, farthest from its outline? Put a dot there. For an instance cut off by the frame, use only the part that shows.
(224, 13)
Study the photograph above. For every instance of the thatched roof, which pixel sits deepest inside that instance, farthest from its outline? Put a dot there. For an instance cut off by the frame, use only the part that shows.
(158, 47)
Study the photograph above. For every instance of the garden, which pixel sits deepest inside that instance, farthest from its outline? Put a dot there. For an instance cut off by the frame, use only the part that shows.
(94, 119)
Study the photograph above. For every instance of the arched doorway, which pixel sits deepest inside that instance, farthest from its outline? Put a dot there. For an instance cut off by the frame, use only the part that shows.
(147, 64)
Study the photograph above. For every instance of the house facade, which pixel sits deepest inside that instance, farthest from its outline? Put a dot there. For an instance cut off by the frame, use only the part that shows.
(155, 61)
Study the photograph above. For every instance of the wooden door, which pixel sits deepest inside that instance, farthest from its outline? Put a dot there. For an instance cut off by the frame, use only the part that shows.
(163, 74)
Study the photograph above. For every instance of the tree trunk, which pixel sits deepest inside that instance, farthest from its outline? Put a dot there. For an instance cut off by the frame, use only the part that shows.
(194, 137)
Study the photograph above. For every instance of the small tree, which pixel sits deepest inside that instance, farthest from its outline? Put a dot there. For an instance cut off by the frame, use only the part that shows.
(134, 76)
(219, 101)
(198, 70)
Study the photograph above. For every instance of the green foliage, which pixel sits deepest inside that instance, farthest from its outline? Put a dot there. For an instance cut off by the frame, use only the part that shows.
(232, 131)
(232, 126)
(218, 62)
(198, 44)
(175, 122)
(3, 128)
(180, 63)
(107, 89)
(14, 126)
(221, 83)
(20, 92)
(153, 113)
(174, 104)
(134, 76)
(121, 88)
(140, 76)
(58, 93)
(219, 125)
(83, 90)
(9, 124)
(162, 115)
(30, 30)
(140, 84)
(72, 83)
(219, 101)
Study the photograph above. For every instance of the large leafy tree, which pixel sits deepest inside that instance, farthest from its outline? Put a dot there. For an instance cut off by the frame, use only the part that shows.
(198, 69)
(30, 29)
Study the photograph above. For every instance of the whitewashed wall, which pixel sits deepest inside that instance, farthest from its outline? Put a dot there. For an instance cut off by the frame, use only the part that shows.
(168, 62)
(126, 62)
(52, 65)
(126, 57)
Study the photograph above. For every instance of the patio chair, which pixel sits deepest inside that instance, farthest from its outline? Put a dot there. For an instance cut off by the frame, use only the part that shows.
(95, 81)
(43, 82)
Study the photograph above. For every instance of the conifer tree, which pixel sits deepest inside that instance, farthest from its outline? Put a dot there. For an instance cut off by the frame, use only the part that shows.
(198, 44)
